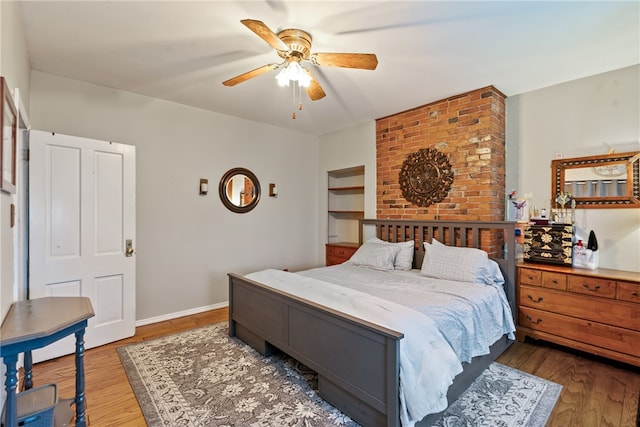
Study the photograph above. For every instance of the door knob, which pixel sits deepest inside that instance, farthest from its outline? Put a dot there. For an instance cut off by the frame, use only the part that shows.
(128, 248)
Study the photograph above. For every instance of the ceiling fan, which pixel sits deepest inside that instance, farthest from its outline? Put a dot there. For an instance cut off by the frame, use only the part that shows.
(294, 46)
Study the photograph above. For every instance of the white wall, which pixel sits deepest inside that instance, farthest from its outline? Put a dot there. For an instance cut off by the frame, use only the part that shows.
(579, 118)
(354, 146)
(14, 67)
(14, 64)
(187, 243)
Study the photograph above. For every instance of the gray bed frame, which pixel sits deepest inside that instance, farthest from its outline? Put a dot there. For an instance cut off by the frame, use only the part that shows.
(358, 362)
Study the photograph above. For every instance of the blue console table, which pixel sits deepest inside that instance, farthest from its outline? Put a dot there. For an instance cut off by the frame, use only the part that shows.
(34, 324)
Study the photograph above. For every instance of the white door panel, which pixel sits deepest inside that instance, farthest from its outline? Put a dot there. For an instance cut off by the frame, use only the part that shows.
(63, 201)
(82, 198)
(64, 289)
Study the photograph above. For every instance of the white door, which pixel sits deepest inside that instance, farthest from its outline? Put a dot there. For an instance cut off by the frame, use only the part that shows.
(81, 219)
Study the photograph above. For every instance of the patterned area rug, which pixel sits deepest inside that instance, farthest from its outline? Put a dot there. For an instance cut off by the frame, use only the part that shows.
(503, 397)
(203, 377)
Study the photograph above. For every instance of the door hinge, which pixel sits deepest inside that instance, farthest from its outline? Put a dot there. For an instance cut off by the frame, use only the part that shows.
(25, 154)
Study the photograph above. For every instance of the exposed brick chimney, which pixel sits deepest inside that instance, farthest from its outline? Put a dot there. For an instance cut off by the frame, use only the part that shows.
(470, 130)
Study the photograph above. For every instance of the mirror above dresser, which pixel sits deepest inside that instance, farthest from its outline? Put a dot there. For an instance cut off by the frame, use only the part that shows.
(602, 181)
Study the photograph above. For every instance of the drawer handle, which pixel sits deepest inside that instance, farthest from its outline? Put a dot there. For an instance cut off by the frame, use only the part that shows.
(586, 286)
(554, 281)
(634, 293)
(531, 320)
(534, 300)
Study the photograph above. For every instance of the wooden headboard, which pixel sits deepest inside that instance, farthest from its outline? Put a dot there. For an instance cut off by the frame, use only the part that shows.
(497, 238)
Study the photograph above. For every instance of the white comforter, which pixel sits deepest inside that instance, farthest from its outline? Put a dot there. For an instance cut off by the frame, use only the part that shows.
(424, 379)
(471, 316)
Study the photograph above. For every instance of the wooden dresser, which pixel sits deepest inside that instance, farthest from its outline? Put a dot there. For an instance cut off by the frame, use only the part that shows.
(596, 311)
(337, 253)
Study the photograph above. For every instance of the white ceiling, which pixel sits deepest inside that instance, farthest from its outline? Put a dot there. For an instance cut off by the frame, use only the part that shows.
(182, 51)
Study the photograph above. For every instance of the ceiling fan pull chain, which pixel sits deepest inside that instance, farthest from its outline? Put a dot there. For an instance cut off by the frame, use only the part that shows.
(293, 101)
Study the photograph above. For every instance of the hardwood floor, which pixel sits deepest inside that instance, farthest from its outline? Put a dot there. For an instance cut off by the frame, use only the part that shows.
(595, 392)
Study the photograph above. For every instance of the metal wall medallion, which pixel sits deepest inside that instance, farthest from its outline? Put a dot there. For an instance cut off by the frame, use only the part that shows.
(426, 177)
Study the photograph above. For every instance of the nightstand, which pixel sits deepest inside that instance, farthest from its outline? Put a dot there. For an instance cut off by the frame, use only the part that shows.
(337, 253)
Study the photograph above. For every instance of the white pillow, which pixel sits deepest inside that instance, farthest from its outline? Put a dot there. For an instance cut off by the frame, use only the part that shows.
(453, 263)
(404, 259)
(433, 242)
(375, 255)
(425, 244)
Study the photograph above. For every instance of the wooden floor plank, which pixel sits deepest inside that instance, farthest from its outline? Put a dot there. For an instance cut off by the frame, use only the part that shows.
(613, 397)
(595, 392)
(631, 406)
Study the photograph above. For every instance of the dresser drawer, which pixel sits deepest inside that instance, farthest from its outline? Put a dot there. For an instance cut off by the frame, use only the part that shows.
(602, 310)
(629, 292)
(546, 279)
(554, 280)
(592, 286)
(593, 333)
(531, 277)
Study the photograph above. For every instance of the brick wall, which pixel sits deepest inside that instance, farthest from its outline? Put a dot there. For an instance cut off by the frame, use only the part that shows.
(470, 130)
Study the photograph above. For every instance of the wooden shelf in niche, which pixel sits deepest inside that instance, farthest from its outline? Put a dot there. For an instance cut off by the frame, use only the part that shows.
(347, 212)
(355, 189)
(346, 191)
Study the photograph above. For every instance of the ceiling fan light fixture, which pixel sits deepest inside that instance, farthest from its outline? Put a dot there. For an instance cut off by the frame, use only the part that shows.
(304, 79)
(293, 72)
(283, 78)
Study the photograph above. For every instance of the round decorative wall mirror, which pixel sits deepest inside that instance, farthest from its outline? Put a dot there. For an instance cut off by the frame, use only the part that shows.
(239, 190)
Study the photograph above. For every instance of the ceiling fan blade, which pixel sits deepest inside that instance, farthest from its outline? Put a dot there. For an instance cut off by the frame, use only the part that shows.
(250, 74)
(366, 61)
(265, 34)
(314, 90)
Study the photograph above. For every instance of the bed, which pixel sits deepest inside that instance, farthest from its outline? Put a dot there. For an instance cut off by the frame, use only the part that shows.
(359, 361)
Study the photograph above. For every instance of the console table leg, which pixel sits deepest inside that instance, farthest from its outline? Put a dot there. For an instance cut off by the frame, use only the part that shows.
(10, 385)
(28, 370)
(80, 398)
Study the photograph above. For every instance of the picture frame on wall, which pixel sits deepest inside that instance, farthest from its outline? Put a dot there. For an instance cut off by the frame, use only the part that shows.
(8, 139)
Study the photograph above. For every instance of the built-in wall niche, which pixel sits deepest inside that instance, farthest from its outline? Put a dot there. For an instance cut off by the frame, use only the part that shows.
(602, 181)
(345, 204)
